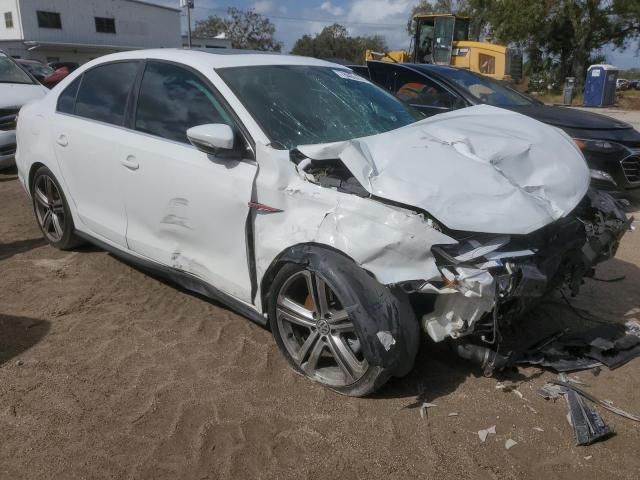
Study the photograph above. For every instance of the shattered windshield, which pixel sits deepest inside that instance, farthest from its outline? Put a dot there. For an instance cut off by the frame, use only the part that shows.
(487, 90)
(12, 73)
(302, 104)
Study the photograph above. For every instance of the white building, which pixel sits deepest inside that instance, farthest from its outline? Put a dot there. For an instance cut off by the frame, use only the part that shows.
(207, 42)
(80, 30)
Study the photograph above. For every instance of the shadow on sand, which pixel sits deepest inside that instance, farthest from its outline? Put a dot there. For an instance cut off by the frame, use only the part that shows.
(18, 334)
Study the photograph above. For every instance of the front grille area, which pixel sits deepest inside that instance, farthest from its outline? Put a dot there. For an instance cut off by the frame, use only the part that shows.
(8, 123)
(8, 118)
(631, 168)
(8, 150)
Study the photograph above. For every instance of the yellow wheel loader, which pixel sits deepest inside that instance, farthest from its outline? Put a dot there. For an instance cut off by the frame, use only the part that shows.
(443, 39)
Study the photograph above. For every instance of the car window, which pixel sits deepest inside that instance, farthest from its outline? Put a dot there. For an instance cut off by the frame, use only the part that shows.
(383, 75)
(305, 104)
(67, 99)
(104, 92)
(40, 70)
(417, 89)
(485, 89)
(173, 99)
(10, 72)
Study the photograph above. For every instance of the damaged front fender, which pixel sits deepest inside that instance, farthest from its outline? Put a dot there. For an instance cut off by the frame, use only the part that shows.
(390, 242)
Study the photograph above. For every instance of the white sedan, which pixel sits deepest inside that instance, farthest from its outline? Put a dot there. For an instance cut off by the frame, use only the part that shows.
(308, 199)
(17, 88)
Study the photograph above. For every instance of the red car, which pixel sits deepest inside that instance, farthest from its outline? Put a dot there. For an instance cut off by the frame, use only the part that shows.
(56, 77)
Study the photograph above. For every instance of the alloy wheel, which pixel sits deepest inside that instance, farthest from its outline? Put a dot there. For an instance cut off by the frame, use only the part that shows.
(317, 332)
(49, 208)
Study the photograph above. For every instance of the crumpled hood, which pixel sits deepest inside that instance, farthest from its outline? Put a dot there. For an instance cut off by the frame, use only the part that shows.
(479, 169)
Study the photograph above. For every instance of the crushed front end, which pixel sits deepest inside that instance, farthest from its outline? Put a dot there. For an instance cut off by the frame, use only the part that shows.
(488, 280)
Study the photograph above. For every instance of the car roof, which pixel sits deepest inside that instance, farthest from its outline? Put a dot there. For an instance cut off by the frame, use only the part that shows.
(216, 58)
(431, 68)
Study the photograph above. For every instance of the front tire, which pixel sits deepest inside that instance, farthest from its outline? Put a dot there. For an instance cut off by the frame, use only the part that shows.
(52, 211)
(318, 320)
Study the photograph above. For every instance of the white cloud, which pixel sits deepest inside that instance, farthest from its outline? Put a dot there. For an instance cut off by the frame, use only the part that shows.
(392, 15)
(334, 10)
(380, 11)
(262, 6)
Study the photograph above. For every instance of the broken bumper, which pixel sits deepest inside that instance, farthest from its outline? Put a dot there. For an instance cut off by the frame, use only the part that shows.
(488, 279)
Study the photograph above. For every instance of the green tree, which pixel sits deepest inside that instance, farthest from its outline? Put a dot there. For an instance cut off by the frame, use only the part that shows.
(245, 28)
(334, 41)
(568, 31)
(558, 36)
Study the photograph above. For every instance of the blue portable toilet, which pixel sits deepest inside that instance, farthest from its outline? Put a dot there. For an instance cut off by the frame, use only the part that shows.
(600, 87)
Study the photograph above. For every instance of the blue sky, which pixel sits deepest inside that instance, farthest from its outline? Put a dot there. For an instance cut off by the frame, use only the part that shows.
(294, 18)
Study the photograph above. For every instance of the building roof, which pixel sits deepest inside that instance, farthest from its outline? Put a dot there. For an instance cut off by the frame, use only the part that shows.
(149, 4)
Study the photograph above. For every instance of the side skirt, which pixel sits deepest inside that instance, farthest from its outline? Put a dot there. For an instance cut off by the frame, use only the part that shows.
(183, 279)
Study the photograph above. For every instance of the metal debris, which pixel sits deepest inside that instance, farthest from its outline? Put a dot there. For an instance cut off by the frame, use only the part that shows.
(633, 327)
(591, 398)
(588, 425)
(483, 434)
(611, 344)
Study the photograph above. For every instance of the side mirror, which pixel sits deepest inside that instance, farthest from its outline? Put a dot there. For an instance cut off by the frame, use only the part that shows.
(211, 138)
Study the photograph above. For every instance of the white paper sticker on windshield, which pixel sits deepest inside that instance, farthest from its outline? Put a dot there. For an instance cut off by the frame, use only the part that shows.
(350, 76)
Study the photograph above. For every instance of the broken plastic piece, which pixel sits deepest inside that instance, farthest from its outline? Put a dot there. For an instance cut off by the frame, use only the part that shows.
(510, 443)
(588, 425)
(424, 407)
(483, 434)
(591, 398)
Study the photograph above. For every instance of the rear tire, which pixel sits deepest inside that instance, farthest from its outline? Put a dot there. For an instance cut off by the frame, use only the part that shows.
(52, 211)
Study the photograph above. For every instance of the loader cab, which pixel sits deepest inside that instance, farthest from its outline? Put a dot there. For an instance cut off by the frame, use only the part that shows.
(435, 36)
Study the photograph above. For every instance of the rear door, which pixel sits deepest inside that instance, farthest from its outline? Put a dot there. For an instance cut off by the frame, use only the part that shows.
(186, 209)
(89, 120)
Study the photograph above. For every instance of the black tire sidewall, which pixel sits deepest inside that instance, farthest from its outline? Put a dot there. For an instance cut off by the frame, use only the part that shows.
(69, 239)
(375, 376)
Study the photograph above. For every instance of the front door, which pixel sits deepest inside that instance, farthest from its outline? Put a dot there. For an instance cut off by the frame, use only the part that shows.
(186, 209)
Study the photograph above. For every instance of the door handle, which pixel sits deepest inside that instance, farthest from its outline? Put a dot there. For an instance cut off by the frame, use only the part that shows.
(62, 140)
(130, 162)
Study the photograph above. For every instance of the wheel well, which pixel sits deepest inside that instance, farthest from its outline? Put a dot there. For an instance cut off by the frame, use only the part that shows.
(34, 168)
(294, 254)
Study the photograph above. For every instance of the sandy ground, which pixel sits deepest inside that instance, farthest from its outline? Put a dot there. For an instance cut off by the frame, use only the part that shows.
(106, 372)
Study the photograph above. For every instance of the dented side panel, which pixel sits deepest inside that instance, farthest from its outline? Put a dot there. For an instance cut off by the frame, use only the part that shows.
(188, 211)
